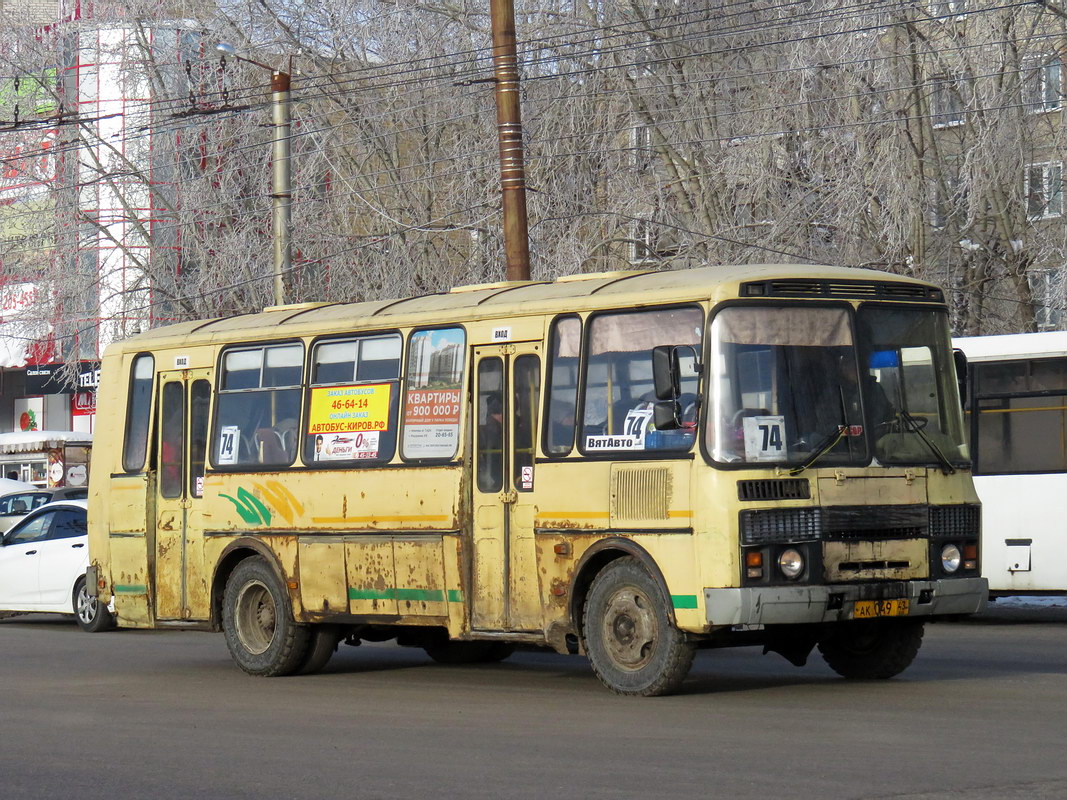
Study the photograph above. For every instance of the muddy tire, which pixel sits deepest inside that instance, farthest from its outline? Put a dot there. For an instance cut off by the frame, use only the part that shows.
(449, 652)
(872, 649)
(324, 641)
(632, 645)
(257, 619)
(92, 615)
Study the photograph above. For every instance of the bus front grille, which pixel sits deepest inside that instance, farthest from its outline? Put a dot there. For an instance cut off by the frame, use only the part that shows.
(962, 521)
(833, 523)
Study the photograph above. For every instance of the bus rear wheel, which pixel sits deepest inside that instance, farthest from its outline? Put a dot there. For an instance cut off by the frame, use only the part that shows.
(632, 645)
(323, 644)
(261, 634)
(872, 649)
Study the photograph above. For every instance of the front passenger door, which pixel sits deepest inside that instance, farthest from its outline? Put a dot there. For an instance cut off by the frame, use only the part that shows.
(19, 563)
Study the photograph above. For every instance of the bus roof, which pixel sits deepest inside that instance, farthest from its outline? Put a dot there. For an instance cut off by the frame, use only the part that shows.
(580, 292)
(1013, 345)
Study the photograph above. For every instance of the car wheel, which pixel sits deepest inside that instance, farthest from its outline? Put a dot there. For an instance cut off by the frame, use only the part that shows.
(91, 614)
(261, 634)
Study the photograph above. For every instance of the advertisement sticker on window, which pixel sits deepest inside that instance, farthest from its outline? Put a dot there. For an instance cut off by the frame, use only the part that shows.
(433, 393)
(346, 446)
(349, 409)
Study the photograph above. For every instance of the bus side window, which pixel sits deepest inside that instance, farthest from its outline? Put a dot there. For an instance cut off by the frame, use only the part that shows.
(619, 392)
(433, 393)
(564, 347)
(259, 395)
(354, 397)
(138, 408)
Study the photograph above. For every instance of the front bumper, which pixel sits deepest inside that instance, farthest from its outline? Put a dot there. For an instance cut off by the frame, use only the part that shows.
(791, 605)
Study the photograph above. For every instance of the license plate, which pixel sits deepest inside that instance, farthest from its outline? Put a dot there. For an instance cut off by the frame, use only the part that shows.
(869, 609)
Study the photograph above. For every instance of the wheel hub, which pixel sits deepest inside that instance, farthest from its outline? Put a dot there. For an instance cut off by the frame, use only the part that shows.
(86, 606)
(630, 629)
(256, 617)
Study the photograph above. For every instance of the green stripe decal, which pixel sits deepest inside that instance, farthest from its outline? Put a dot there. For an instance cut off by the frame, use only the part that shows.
(455, 595)
(412, 595)
(371, 594)
(134, 588)
(684, 600)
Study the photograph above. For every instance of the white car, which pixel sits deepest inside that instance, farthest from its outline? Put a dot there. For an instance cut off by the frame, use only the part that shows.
(16, 505)
(43, 558)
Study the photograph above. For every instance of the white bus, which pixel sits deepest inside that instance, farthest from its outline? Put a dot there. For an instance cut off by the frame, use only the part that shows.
(1016, 403)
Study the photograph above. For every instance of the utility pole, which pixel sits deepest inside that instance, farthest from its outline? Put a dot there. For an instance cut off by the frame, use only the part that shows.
(281, 167)
(509, 131)
(281, 195)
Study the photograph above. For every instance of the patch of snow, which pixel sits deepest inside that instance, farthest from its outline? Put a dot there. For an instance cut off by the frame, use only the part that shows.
(8, 486)
(1019, 601)
(12, 350)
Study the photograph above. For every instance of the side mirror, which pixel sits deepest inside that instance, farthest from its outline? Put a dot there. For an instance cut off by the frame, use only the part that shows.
(960, 360)
(665, 373)
(667, 369)
(665, 415)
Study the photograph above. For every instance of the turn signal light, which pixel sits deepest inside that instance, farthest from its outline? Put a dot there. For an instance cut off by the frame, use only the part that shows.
(754, 564)
(970, 556)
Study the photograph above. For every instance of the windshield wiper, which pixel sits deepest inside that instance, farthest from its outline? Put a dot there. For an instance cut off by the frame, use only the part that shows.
(828, 444)
(913, 425)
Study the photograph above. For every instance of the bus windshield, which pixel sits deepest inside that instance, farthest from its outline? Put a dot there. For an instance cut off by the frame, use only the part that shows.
(783, 384)
(910, 386)
(792, 385)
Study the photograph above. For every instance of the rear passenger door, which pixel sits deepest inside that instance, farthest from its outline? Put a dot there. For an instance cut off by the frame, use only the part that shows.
(184, 407)
(506, 593)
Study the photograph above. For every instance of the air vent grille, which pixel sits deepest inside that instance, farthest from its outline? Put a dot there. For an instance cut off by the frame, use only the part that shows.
(774, 489)
(640, 494)
(860, 290)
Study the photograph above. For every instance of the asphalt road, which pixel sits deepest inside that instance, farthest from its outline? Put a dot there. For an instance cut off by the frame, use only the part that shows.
(131, 714)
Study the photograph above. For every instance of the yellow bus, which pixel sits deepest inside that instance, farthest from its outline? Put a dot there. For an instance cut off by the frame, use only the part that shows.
(629, 466)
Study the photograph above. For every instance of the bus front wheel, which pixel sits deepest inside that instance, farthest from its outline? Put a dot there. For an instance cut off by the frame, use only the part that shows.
(872, 649)
(632, 645)
(261, 634)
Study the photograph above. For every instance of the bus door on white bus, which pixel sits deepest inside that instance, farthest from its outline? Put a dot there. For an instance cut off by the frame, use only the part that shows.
(505, 590)
(185, 400)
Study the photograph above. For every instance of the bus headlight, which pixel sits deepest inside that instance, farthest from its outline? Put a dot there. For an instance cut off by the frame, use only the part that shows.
(791, 563)
(950, 558)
